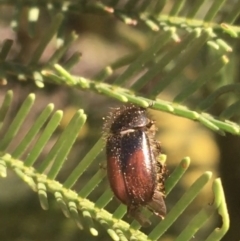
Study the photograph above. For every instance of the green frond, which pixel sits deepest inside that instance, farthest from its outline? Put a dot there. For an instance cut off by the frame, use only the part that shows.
(134, 12)
(156, 61)
(76, 205)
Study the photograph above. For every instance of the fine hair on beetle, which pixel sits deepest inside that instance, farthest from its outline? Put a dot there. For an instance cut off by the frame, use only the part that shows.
(135, 174)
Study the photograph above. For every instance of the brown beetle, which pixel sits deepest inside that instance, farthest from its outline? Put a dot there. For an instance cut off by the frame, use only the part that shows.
(135, 176)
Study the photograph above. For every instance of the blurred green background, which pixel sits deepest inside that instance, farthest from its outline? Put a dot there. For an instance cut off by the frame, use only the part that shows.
(102, 39)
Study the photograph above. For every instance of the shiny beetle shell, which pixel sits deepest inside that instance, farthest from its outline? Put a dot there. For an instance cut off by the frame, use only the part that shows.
(132, 117)
(135, 177)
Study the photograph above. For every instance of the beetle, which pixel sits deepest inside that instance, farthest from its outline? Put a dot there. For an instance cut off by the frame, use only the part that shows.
(135, 176)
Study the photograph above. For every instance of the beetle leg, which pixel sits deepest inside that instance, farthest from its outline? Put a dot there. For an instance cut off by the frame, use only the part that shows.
(135, 212)
(103, 166)
(157, 205)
